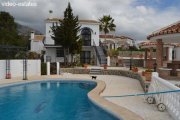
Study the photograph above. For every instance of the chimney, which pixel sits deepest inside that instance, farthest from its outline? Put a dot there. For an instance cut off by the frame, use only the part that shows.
(50, 14)
(32, 35)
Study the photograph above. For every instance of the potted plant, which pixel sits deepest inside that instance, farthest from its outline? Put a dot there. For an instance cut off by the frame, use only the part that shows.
(135, 69)
(148, 74)
(143, 73)
(85, 66)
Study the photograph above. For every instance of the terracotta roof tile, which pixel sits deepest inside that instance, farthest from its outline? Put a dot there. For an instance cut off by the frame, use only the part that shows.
(39, 37)
(171, 29)
(106, 36)
(148, 43)
(112, 36)
(123, 37)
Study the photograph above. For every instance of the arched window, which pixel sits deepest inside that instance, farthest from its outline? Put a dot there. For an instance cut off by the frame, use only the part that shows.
(86, 36)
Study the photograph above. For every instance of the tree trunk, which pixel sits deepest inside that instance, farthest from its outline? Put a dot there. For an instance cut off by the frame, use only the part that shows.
(68, 56)
(71, 59)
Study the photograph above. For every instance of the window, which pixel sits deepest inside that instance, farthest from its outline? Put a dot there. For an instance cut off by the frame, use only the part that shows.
(59, 52)
(86, 36)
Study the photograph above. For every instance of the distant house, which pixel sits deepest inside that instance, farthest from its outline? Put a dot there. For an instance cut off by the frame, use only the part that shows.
(89, 32)
(114, 42)
(169, 34)
(150, 53)
(36, 43)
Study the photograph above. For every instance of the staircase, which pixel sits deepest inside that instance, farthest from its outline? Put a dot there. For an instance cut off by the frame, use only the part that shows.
(100, 54)
(95, 71)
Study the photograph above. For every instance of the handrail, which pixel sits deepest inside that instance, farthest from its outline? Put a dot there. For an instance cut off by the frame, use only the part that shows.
(104, 48)
(98, 55)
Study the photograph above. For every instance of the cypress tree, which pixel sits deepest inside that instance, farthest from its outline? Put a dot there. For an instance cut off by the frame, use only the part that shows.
(66, 34)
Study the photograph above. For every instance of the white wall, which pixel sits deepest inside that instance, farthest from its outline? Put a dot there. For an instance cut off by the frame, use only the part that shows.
(93, 26)
(16, 68)
(52, 53)
(177, 53)
(48, 39)
(2, 69)
(37, 46)
(95, 34)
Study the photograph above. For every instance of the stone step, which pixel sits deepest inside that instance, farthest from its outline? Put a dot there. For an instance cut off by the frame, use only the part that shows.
(95, 71)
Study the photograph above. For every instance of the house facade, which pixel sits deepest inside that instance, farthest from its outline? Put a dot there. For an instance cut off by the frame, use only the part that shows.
(114, 42)
(89, 32)
(169, 34)
(37, 43)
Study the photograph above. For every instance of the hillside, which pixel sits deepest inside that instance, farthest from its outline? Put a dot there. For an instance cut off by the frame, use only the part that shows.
(25, 30)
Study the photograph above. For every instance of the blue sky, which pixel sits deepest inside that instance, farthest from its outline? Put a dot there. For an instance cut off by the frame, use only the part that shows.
(160, 4)
(133, 18)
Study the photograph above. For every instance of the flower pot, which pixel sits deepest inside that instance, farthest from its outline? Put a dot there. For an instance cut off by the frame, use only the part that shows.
(143, 73)
(135, 69)
(105, 67)
(85, 66)
(148, 76)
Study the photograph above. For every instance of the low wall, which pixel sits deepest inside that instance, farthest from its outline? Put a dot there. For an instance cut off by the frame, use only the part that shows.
(107, 72)
(16, 68)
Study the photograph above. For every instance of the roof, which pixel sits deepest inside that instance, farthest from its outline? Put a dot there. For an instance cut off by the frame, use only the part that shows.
(108, 42)
(39, 37)
(113, 36)
(148, 43)
(106, 36)
(123, 37)
(171, 29)
(83, 21)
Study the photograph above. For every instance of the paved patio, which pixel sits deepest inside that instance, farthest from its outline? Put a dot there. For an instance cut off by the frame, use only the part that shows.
(116, 85)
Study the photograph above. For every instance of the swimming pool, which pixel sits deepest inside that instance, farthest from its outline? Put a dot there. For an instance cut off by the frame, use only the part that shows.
(51, 100)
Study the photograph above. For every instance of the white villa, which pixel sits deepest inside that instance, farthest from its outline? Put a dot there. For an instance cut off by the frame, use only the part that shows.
(114, 42)
(36, 42)
(91, 53)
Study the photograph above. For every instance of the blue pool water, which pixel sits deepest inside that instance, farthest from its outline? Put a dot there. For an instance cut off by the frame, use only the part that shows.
(49, 101)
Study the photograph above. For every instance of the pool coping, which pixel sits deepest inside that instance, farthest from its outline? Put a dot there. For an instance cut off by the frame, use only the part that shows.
(94, 96)
(115, 110)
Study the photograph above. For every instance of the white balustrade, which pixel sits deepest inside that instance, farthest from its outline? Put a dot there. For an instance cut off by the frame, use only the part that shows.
(170, 99)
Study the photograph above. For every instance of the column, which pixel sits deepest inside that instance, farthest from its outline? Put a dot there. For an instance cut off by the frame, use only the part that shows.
(108, 61)
(145, 57)
(151, 52)
(48, 68)
(159, 53)
(170, 53)
(57, 68)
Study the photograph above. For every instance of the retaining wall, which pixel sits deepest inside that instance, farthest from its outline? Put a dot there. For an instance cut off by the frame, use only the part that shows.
(129, 74)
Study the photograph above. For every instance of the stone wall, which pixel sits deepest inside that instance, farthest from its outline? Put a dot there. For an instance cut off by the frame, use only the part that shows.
(129, 74)
(135, 62)
(150, 63)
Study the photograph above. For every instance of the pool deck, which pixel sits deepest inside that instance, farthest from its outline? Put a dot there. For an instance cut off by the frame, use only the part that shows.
(115, 86)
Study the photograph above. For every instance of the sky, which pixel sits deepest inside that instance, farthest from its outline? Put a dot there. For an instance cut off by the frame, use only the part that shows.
(133, 18)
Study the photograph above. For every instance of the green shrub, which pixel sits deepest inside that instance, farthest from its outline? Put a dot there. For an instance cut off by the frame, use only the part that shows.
(148, 70)
(43, 69)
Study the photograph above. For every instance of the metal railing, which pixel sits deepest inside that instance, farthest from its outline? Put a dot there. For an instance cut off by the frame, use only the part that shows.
(97, 53)
(170, 99)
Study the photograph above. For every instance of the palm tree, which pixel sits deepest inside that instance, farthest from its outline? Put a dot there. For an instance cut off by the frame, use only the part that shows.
(106, 24)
